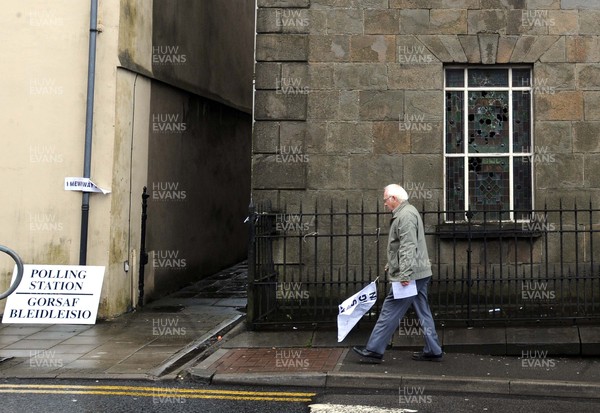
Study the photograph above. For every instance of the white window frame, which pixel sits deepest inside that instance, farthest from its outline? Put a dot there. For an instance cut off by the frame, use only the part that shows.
(510, 154)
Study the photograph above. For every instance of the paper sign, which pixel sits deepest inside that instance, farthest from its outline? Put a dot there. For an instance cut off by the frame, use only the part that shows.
(55, 294)
(83, 185)
(353, 308)
(401, 291)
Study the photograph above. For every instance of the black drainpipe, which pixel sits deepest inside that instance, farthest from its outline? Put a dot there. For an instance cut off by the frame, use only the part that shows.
(89, 123)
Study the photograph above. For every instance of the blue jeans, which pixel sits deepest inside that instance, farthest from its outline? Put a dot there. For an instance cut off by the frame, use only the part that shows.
(394, 310)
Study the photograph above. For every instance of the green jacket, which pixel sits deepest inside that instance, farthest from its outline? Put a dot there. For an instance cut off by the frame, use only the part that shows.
(407, 250)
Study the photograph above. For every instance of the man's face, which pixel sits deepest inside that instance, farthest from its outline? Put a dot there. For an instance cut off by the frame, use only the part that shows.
(390, 202)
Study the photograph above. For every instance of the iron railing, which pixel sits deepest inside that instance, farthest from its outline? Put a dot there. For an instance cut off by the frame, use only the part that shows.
(544, 267)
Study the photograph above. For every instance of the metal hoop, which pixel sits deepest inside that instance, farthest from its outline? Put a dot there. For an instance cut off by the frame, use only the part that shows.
(19, 263)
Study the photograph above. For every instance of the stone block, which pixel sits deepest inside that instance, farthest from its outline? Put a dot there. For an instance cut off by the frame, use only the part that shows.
(328, 172)
(590, 340)
(349, 137)
(490, 341)
(445, 21)
(317, 21)
(273, 106)
(454, 48)
(553, 137)
(425, 169)
(274, 171)
(506, 46)
(374, 171)
(487, 21)
(266, 22)
(580, 4)
(427, 137)
(556, 53)
(293, 134)
(329, 49)
(591, 171)
(361, 76)
(283, 3)
(565, 172)
(267, 74)
(415, 76)
(564, 22)
(436, 46)
(323, 104)
(591, 102)
(588, 76)
(488, 48)
(539, 47)
(411, 50)
(563, 105)
(589, 22)
(346, 4)
(377, 48)
(320, 76)
(503, 4)
(414, 21)
(424, 105)
(292, 20)
(349, 105)
(385, 21)
(531, 22)
(295, 73)
(316, 133)
(550, 77)
(388, 140)
(554, 340)
(585, 137)
(265, 137)
(381, 104)
(345, 21)
(582, 49)
(434, 4)
(543, 4)
(522, 47)
(470, 45)
(285, 47)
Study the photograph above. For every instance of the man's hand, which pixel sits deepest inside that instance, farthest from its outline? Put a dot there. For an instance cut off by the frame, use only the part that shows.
(405, 283)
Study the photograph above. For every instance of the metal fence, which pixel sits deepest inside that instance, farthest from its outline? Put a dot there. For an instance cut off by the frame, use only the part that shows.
(486, 268)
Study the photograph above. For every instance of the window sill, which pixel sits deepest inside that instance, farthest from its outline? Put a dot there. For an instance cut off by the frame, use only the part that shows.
(480, 231)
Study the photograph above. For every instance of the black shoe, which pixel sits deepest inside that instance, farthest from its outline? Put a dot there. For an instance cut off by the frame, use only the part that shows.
(368, 356)
(421, 356)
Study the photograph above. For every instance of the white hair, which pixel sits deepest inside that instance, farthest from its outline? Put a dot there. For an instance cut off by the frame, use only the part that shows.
(397, 191)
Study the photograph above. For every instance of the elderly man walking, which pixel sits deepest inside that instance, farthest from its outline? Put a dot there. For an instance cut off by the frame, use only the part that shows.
(407, 259)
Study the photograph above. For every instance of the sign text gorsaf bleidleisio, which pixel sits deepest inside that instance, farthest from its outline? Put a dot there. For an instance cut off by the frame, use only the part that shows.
(56, 294)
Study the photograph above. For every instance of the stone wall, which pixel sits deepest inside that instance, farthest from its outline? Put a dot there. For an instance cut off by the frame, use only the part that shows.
(335, 79)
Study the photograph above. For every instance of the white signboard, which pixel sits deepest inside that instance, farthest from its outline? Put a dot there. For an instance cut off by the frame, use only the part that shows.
(55, 294)
(84, 185)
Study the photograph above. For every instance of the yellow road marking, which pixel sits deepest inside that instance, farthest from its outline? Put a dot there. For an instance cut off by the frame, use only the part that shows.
(160, 392)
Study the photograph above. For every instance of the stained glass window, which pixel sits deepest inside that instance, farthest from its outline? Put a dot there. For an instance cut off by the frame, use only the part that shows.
(490, 175)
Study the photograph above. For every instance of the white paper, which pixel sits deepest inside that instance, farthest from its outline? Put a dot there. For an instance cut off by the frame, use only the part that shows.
(403, 292)
(353, 308)
(83, 185)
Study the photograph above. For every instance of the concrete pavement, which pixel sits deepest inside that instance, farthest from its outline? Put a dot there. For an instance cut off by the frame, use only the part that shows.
(152, 343)
(178, 336)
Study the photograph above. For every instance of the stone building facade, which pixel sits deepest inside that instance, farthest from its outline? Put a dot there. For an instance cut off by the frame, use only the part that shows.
(336, 80)
(472, 105)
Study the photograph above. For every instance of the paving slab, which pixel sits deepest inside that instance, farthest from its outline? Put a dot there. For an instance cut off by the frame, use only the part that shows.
(250, 339)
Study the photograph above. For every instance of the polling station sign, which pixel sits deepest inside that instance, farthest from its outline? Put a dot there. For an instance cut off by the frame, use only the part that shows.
(55, 294)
